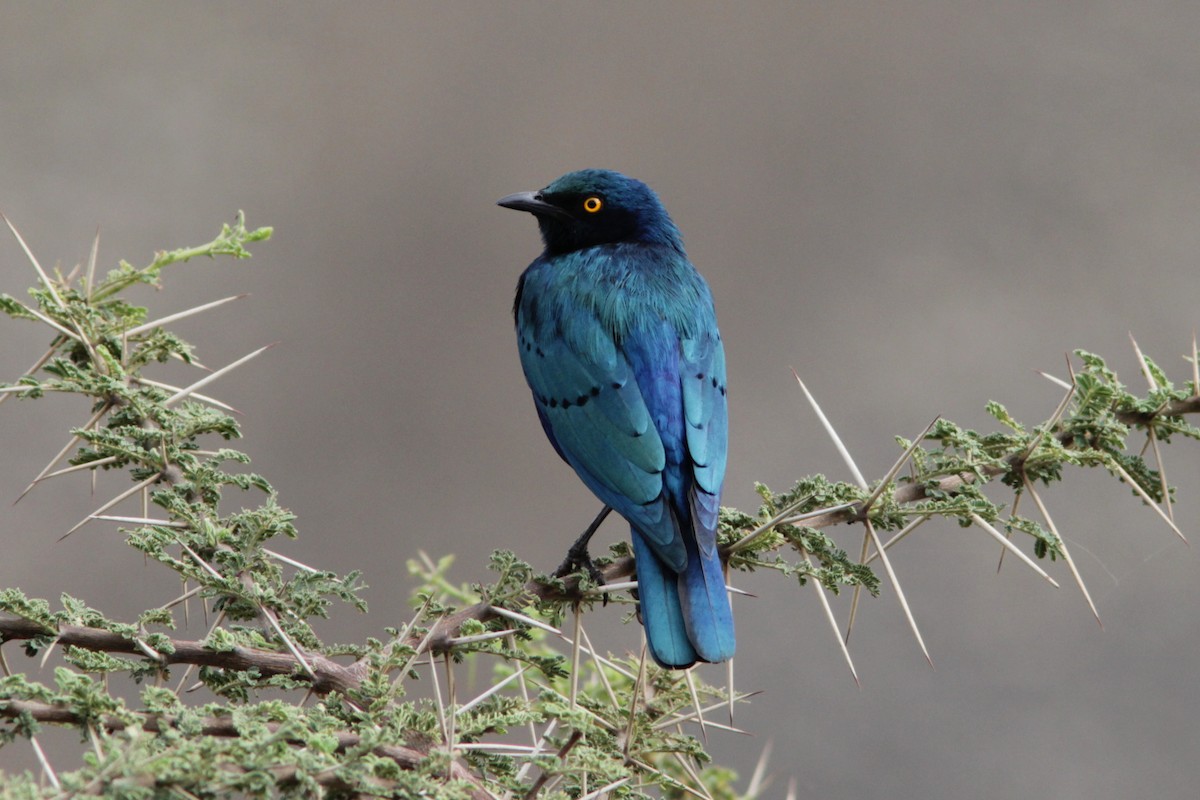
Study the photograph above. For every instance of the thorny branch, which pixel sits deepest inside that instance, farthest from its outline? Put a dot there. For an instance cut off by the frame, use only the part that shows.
(405, 757)
(329, 676)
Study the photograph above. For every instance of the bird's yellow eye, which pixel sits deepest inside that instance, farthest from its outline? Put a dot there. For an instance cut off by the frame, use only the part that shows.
(593, 204)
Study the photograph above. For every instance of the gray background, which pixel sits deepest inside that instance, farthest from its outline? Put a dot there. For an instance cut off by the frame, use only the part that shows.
(914, 204)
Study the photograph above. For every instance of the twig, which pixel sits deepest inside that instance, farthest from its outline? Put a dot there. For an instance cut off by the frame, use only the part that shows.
(407, 757)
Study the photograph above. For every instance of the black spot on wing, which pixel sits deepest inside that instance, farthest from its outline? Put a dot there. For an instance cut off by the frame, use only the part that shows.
(567, 402)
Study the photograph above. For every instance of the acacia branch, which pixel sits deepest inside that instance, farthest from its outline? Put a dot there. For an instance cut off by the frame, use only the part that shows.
(449, 627)
(406, 757)
(329, 676)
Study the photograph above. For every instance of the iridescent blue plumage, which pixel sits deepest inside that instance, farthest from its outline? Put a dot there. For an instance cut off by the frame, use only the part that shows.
(619, 344)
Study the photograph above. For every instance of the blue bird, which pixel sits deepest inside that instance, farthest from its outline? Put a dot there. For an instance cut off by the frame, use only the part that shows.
(619, 343)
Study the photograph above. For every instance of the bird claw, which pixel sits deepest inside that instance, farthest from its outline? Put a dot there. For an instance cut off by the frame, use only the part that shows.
(578, 560)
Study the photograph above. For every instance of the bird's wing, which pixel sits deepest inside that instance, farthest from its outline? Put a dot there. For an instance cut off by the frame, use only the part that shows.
(702, 368)
(591, 407)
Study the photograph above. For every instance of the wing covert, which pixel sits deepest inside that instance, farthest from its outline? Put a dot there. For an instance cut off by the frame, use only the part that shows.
(591, 406)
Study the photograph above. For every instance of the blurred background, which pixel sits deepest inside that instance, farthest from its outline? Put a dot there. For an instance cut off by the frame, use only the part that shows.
(915, 205)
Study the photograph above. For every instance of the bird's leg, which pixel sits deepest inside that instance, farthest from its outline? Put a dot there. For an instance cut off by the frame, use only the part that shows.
(577, 555)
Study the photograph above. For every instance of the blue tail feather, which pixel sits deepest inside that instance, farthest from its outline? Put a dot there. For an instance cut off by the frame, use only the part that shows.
(662, 612)
(687, 616)
(705, 604)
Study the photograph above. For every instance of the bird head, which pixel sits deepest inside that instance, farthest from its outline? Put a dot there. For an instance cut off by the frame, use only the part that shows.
(595, 207)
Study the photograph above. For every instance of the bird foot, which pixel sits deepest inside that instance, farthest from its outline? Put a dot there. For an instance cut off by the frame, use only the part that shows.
(577, 556)
(578, 560)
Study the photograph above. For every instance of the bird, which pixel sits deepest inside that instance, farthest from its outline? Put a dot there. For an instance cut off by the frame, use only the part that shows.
(618, 340)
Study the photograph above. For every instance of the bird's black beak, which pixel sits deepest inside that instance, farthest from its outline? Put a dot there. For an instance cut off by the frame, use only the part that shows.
(533, 203)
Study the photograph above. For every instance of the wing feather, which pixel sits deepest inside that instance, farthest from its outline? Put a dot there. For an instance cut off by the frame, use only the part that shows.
(596, 416)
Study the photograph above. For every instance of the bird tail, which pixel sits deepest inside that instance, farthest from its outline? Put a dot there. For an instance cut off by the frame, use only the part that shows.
(705, 603)
(687, 616)
(661, 611)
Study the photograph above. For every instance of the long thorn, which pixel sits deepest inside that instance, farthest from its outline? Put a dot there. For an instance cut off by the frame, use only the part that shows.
(766, 527)
(1054, 418)
(479, 637)
(1195, 366)
(45, 762)
(518, 617)
(1142, 360)
(995, 534)
(288, 643)
(66, 449)
(166, 387)
(758, 780)
(905, 531)
(207, 379)
(862, 482)
(437, 696)
(36, 366)
(402, 673)
(679, 718)
(597, 662)
(160, 523)
(46, 655)
(603, 790)
(837, 440)
(887, 565)
(158, 323)
(204, 565)
(1008, 533)
(1053, 379)
(89, 277)
(1162, 473)
(60, 328)
(691, 684)
(100, 462)
(33, 260)
(467, 706)
(451, 717)
(22, 388)
(633, 699)
(512, 643)
(729, 687)
(891, 473)
(837, 634)
(1063, 546)
(575, 647)
(123, 495)
(1147, 499)
(862, 559)
(1034, 441)
(183, 598)
(187, 673)
(538, 748)
(700, 789)
(292, 562)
